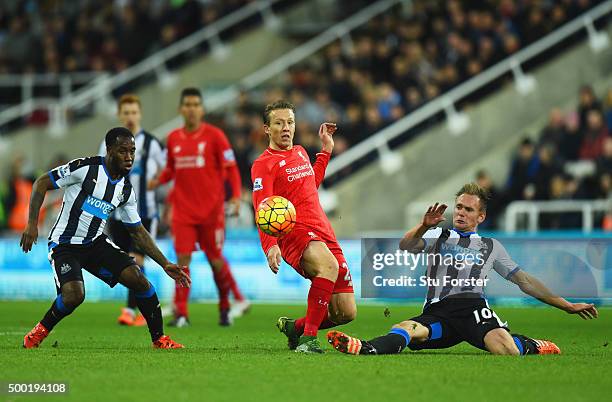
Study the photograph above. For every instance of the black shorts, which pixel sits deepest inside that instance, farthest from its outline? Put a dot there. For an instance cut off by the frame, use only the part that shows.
(102, 258)
(454, 320)
(121, 237)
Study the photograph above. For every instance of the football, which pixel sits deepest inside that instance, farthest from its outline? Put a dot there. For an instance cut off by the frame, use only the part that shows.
(275, 216)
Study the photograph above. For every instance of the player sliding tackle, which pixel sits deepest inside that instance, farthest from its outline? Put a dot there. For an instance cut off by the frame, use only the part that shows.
(95, 187)
(453, 314)
(311, 247)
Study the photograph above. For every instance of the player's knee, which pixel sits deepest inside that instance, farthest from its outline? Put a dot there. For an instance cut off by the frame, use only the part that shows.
(345, 315)
(72, 298)
(133, 278)
(217, 264)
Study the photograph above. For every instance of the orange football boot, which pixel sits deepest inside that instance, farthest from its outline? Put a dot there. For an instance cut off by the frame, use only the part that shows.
(344, 343)
(547, 347)
(126, 317)
(164, 342)
(34, 338)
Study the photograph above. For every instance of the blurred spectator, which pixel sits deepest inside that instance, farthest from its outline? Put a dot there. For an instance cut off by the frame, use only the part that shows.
(554, 132)
(547, 167)
(572, 138)
(18, 198)
(495, 201)
(522, 171)
(586, 103)
(608, 108)
(594, 136)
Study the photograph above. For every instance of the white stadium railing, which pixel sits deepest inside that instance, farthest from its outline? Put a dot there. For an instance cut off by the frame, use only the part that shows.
(458, 122)
(100, 87)
(533, 209)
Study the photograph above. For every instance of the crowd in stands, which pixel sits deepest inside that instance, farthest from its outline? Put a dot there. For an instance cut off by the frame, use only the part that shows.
(390, 67)
(571, 159)
(396, 63)
(56, 36)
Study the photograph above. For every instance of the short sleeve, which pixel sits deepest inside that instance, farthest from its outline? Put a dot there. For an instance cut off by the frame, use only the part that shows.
(503, 263)
(128, 212)
(66, 175)
(430, 238)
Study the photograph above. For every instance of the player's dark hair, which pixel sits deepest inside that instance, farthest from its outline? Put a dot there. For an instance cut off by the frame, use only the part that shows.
(475, 189)
(190, 91)
(116, 132)
(279, 104)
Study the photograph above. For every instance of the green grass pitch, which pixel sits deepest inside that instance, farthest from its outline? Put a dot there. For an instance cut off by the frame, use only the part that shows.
(102, 361)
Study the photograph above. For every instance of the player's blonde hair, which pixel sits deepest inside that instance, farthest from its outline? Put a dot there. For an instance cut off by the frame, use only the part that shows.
(474, 189)
(128, 98)
(279, 104)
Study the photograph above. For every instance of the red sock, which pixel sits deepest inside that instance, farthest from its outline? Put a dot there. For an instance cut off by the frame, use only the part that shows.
(223, 287)
(181, 297)
(318, 301)
(232, 282)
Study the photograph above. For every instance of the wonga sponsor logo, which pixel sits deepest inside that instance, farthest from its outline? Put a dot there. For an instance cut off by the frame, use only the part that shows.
(97, 207)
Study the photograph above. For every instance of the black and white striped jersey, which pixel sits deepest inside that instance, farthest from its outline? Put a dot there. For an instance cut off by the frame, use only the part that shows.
(456, 261)
(149, 160)
(90, 196)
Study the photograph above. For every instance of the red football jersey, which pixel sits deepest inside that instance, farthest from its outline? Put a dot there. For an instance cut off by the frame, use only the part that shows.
(197, 161)
(290, 175)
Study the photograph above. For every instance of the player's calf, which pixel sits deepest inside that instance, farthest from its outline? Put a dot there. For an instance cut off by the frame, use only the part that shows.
(418, 332)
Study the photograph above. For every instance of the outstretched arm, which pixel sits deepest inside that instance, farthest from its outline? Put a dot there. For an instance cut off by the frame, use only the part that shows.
(535, 288)
(39, 189)
(413, 239)
(143, 240)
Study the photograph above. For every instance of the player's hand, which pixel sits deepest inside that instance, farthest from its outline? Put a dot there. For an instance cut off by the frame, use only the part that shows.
(153, 184)
(274, 258)
(28, 237)
(179, 274)
(585, 310)
(325, 134)
(434, 215)
(234, 207)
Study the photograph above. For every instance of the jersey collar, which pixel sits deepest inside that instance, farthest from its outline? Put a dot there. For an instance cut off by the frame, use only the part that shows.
(276, 152)
(463, 234)
(108, 174)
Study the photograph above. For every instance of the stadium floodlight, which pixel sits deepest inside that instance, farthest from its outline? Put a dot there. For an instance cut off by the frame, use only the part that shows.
(524, 84)
(390, 162)
(598, 40)
(457, 122)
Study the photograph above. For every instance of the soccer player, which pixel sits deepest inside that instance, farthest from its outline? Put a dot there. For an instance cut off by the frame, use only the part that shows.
(94, 188)
(149, 161)
(453, 314)
(200, 159)
(311, 247)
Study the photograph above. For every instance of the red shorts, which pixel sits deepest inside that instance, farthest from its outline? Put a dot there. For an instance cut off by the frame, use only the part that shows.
(209, 237)
(292, 248)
